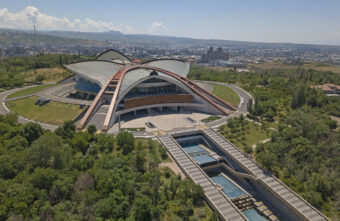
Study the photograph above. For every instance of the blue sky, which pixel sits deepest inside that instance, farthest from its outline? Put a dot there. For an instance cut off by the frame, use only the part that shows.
(300, 21)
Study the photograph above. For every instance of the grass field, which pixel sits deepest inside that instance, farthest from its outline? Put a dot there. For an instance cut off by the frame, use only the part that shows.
(30, 90)
(50, 74)
(226, 94)
(52, 113)
(252, 134)
(255, 134)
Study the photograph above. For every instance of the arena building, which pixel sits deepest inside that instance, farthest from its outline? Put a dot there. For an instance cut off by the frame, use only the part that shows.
(118, 86)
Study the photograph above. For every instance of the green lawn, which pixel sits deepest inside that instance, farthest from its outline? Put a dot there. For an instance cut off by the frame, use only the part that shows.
(30, 90)
(255, 134)
(245, 134)
(52, 113)
(226, 93)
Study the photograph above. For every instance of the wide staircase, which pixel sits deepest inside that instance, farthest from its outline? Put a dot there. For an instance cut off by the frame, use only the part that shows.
(98, 118)
(111, 87)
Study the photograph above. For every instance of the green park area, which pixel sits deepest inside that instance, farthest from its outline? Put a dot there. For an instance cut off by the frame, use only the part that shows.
(226, 93)
(30, 90)
(243, 133)
(52, 113)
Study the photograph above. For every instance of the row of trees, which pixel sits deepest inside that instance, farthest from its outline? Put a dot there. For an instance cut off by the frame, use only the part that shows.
(69, 175)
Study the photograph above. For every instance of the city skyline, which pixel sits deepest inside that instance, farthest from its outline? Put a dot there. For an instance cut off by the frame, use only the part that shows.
(310, 22)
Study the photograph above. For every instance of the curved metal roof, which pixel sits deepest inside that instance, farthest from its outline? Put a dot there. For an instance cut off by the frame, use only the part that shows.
(113, 55)
(110, 61)
(133, 76)
(95, 71)
(173, 65)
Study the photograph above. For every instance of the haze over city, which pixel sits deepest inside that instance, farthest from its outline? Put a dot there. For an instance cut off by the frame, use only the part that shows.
(302, 21)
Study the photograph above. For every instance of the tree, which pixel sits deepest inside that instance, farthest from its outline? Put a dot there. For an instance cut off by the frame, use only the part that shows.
(43, 178)
(60, 60)
(113, 207)
(32, 131)
(67, 130)
(39, 78)
(140, 160)
(47, 151)
(248, 149)
(92, 129)
(299, 98)
(84, 182)
(197, 194)
(267, 159)
(142, 207)
(125, 141)
(81, 142)
(105, 142)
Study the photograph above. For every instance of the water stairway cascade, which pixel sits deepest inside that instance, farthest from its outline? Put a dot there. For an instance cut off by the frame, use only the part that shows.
(263, 210)
(243, 202)
(246, 202)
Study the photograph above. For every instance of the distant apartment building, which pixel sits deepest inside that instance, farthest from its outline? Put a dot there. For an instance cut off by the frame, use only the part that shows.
(218, 55)
(328, 88)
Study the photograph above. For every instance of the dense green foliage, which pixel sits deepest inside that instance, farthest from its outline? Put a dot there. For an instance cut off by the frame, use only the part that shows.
(12, 69)
(86, 176)
(304, 152)
(273, 90)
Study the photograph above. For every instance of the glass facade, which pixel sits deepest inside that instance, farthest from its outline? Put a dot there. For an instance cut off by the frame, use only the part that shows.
(154, 90)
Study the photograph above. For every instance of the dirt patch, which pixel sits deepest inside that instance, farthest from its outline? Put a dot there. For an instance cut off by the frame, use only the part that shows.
(172, 166)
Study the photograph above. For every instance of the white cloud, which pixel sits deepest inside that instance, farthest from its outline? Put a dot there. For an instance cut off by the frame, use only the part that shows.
(26, 18)
(335, 35)
(156, 27)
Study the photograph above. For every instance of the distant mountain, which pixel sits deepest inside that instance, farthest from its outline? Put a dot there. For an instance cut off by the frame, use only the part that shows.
(95, 36)
(28, 37)
(116, 36)
(69, 37)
